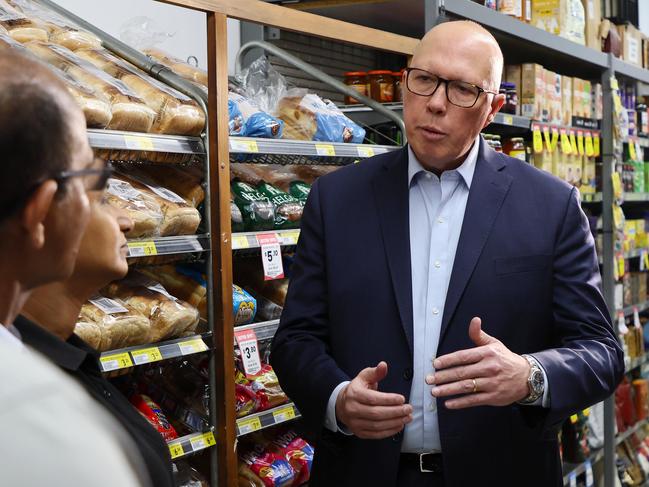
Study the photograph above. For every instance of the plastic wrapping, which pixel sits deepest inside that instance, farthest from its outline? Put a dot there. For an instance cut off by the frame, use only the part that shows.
(178, 218)
(247, 119)
(298, 453)
(19, 26)
(178, 66)
(258, 464)
(142, 209)
(186, 181)
(288, 210)
(128, 109)
(244, 306)
(60, 30)
(176, 113)
(154, 415)
(169, 316)
(267, 388)
(107, 324)
(257, 210)
(246, 400)
(183, 281)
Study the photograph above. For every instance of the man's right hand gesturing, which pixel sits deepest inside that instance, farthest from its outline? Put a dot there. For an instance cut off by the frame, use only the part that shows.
(368, 413)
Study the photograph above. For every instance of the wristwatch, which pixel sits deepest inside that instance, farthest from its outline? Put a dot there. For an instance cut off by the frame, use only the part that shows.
(535, 381)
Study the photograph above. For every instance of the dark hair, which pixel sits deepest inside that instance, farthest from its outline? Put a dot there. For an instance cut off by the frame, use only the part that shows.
(35, 140)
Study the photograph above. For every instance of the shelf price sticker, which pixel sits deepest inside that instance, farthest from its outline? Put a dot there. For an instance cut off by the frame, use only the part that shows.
(645, 259)
(291, 237)
(248, 425)
(203, 441)
(142, 249)
(573, 143)
(621, 265)
(240, 242)
(195, 345)
(249, 347)
(176, 450)
(617, 185)
(590, 482)
(284, 414)
(555, 138)
(116, 361)
(271, 256)
(590, 151)
(364, 151)
(508, 120)
(537, 139)
(596, 146)
(632, 153)
(580, 142)
(249, 146)
(574, 418)
(325, 150)
(146, 355)
(138, 142)
(566, 148)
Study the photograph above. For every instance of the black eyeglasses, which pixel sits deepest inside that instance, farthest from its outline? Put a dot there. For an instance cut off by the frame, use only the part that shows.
(91, 182)
(460, 93)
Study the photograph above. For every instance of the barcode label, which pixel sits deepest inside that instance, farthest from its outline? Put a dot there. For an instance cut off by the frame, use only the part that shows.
(159, 289)
(166, 194)
(108, 306)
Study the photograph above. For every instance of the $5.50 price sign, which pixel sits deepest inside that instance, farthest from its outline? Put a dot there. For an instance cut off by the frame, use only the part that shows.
(271, 256)
(247, 341)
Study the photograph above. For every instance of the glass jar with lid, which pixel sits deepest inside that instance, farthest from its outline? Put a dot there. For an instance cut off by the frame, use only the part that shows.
(397, 76)
(496, 144)
(358, 81)
(515, 147)
(511, 98)
(381, 85)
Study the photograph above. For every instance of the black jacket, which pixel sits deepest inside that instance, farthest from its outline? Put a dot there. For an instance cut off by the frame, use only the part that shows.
(82, 362)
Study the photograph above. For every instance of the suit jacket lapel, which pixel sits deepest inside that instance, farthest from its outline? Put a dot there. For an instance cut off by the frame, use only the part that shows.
(488, 190)
(391, 193)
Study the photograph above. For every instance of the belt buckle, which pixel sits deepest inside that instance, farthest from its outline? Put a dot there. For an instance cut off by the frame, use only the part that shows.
(421, 464)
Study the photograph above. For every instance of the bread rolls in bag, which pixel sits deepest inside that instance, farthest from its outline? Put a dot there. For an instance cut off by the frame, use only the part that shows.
(176, 113)
(19, 26)
(182, 282)
(169, 316)
(142, 209)
(185, 181)
(129, 111)
(181, 68)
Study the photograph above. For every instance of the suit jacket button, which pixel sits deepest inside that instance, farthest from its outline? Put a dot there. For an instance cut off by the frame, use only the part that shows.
(407, 374)
(396, 438)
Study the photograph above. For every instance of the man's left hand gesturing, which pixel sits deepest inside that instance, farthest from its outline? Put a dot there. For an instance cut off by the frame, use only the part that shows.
(487, 375)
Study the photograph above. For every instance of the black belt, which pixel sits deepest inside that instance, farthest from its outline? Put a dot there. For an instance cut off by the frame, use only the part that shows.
(424, 462)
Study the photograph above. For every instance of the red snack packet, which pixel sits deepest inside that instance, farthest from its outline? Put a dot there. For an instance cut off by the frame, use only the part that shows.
(154, 415)
(270, 468)
(298, 453)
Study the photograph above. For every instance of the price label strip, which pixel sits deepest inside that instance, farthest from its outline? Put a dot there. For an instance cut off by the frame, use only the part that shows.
(249, 347)
(240, 242)
(290, 238)
(138, 142)
(176, 450)
(590, 150)
(566, 148)
(195, 345)
(537, 139)
(284, 414)
(203, 441)
(325, 150)
(632, 153)
(573, 143)
(508, 120)
(116, 361)
(146, 355)
(364, 151)
(580, 142)
(271, 256)
(142, 249)
(249, 146)
(248, 425)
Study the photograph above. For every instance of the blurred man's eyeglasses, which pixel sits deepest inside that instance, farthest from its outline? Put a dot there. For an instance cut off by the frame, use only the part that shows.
(459, 93)
(94, 179)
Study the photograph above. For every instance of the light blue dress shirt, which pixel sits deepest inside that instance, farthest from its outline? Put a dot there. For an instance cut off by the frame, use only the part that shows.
(437, 207)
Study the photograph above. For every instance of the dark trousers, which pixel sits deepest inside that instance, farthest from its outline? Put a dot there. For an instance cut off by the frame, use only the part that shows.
(409, 476)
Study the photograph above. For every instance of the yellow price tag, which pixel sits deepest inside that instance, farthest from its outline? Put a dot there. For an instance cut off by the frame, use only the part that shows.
(239, 242)
(176, 450)
(248, 425)
(574, 418)
(587, 412)
(617, 185)
(547, 138)
(537, 140)
(325, 150)
(620, 265)
(203, 441)
(365, 151)
(246, 146)
(116, 361)
(146, 355)
(596, 147)
(290, 238)
(565, 143)
(580, 142)
(141, 249)
(138, 142)
(508, 120)
(573, 142)
(284, 414)
(618, 216)
(645, 257)
(632, 154)
(589, 145)
(555, 138)
(614, 84)
(194, 345)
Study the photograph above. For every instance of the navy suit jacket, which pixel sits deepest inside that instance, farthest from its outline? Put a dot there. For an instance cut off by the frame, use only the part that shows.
(525, 264)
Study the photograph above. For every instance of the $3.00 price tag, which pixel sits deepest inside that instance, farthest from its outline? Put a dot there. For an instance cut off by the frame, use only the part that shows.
(247, 341)
(271, 256)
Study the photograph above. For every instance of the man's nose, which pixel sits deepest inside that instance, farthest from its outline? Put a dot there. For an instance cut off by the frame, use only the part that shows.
(437, 102)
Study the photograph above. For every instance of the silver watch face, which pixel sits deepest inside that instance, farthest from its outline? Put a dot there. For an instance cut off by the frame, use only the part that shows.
(537, 382)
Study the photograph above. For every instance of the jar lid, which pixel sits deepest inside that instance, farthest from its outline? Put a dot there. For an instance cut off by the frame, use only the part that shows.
(518, 139)
(397, 74)
(379, 71)
(356, 73)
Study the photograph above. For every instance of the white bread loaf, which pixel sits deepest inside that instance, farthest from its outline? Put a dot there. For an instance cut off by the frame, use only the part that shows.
(142, 209)
(118, 329)
(181, 68)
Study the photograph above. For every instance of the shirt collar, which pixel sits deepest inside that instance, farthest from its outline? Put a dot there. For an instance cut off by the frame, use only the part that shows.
(10, 335)
(466, 170)
(69, 355)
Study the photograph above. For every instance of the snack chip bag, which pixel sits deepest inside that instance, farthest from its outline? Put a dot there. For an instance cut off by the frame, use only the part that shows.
(154, 415)
(244, 306)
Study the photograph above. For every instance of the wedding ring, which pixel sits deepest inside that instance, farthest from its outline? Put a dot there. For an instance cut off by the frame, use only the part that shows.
(475, 386)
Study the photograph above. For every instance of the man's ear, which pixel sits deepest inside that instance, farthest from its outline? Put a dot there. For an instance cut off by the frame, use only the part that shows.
(35, 211)
(496, 105)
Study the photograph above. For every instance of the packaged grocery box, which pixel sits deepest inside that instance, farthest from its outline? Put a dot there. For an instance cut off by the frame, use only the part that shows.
(532, 92)
(513, 74)
(565, 18)
(593, 13)
(631, 44)
(553, 99)
(566, 102)
(596, 101)
(577, 97)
